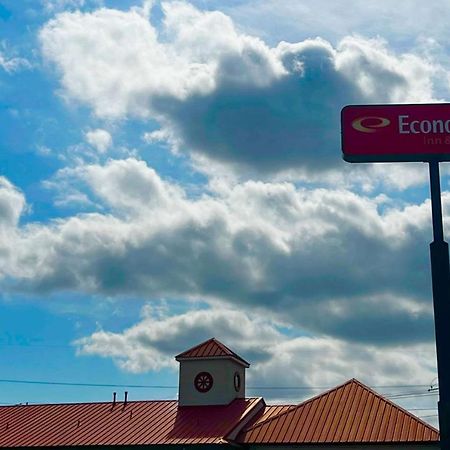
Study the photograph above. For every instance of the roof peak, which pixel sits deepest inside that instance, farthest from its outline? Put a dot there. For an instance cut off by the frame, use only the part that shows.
(211, 348)
(343, 394)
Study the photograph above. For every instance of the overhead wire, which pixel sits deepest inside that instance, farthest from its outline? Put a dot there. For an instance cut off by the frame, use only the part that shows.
(80, 384)
(158, 386)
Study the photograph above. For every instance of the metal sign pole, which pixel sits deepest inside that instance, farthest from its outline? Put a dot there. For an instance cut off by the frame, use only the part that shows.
(415, 132)
(440, 274)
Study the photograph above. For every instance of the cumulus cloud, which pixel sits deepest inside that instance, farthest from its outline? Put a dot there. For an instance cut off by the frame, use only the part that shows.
(100, 139)
(154, 341)
(12, 204)
(305, 361)
(329, 261)
(221, 94)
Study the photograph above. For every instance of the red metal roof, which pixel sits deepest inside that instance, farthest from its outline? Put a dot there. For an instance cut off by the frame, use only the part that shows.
(350, 413)
(136, 423)
(271, 411)
(212, 348)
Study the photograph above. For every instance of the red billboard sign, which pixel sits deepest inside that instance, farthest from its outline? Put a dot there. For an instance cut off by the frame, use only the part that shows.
(385, 133)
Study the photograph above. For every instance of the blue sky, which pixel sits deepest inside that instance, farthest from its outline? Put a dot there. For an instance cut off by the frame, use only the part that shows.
(171, 171)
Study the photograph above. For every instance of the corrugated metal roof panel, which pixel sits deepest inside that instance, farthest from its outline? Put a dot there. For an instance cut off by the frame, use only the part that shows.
(350, 413)
(136, 423)
(272, 410)
(212, 348)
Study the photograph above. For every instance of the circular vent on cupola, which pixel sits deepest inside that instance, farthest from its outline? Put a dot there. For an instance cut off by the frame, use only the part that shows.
(203, 381)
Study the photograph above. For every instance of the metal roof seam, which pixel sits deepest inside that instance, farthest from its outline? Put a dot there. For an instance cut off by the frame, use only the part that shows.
(137, 421)
(140, 431)
(161, 431)
(331, 429)
(378, 421)
(391, 427)
(405, 429)
(36, 425)
(388, 410)
(357, 420)
(324, 417)
(353, 414)
(314, 422)
(328, 430)
(412, 431)
(395, 405)
(371, 420)
(349, 406)
(398, 427)
(295, 428)
(368, 406)
(364, 416)
(283, 427)
(301, 432)
(91, 426)
(345, 411)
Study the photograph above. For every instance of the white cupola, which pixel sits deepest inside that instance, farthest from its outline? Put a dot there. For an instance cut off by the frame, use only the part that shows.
(210, 374)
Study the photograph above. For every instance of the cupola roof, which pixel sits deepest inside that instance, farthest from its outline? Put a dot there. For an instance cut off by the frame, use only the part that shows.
(211, 349)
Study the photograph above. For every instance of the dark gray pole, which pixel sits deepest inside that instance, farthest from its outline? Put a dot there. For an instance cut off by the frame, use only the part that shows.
(440, 275)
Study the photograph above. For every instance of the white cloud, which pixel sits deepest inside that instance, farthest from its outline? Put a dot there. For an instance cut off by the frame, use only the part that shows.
(124, 66)
(100, 139)
(12, 204)
(224, 95)
(130, 185)
(153, 342)
(306, 361)
(326, 260)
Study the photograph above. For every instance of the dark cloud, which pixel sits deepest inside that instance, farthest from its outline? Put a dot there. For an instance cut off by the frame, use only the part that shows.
(224, 95)
(320, 259)
(293, 123)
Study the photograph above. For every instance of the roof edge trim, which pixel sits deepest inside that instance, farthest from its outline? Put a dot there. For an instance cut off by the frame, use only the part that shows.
(240, 361)
(232, 434)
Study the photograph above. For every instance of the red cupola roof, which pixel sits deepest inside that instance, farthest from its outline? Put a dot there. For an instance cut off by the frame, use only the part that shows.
(211, 349)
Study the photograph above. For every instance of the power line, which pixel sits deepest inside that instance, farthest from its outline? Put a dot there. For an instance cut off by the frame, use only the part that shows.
(422, 409)
(412, 394)
(152, 386)
(63, 383)
(328, 387)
